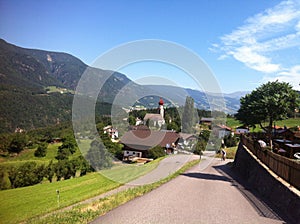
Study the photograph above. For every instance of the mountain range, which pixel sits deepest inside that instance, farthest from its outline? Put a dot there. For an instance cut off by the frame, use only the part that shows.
(37, 89)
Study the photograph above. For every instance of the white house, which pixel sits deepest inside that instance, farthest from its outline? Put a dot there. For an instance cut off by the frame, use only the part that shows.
(113, 133)
(242, 130)
(222, 130)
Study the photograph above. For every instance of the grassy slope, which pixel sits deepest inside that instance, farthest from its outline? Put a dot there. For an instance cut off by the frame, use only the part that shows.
(291, 122)
(24, 203)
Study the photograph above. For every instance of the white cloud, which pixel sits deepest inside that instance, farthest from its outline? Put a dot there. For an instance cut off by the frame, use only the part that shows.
(259, 42)
(291, 76)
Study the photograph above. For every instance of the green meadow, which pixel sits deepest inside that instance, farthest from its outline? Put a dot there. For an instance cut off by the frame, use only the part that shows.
(24, 203)
(291, 122)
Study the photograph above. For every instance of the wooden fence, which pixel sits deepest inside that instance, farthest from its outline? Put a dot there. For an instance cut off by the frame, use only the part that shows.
(286, 168)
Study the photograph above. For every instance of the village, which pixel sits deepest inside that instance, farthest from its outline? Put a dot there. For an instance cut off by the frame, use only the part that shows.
(149, 132)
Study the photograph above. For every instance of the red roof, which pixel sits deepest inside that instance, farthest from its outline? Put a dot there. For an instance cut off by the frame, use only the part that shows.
(161, 102)
(223, 127)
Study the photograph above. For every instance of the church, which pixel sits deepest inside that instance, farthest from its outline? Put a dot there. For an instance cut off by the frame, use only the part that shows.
(156, 120)
(139, 140)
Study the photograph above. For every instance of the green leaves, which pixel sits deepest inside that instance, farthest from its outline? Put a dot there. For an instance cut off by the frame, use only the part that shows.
(270, 102)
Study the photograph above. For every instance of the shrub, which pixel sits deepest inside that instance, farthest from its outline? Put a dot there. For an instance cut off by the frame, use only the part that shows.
(156, 152)
(41, 151)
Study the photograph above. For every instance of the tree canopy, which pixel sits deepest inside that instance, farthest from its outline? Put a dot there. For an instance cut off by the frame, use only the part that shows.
(188, 116)
(268, 103)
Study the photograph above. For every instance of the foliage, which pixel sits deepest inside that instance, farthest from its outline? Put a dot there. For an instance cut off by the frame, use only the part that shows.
(202, 142)
(270, 102)
(131, 120)
(188, 117)
(18, 143)
(200, 147)
(98, 156)
(27, 174)
(156, 152)
(230, 140)
(68, 148)
(41, 151)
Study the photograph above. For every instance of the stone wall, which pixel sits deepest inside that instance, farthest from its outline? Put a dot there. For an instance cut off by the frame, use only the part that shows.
(267, 185)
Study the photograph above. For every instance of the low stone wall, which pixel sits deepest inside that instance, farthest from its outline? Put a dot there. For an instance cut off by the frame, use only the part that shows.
(266, 184)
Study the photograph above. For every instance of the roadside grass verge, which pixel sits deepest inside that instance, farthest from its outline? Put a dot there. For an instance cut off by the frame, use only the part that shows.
(24, 203)
(87, 212)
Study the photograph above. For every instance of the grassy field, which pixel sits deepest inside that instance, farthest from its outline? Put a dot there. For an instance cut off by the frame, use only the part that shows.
(291, 122)
(87, 212)
(24, 203)
(127, 172)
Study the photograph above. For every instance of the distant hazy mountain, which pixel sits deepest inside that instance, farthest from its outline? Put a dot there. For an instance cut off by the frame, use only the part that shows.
(177, 95)
(37, 87)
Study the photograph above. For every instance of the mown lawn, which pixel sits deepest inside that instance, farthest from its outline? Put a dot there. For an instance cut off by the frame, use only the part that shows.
(125, 173)
(23, 203)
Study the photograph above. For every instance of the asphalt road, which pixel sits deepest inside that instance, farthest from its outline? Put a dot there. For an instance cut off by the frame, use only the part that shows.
(207, 193)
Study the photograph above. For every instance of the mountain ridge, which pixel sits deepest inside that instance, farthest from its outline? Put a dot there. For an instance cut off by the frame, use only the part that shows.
(26, 74)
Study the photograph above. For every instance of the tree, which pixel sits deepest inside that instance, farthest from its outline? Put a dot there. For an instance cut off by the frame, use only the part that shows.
(49, 171)
(67, 148)
(41, 151)
(188, 117)
(18, 143)
(27, 174)
(131, 120)
(270, 102)
(98, 156)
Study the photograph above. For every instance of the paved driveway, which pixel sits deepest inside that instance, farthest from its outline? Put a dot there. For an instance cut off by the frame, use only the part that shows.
(208, 193)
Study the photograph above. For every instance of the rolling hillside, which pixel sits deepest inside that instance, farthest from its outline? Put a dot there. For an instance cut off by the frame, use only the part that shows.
(37, 87)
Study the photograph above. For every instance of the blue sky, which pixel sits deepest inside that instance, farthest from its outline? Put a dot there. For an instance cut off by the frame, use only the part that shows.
(245, 43)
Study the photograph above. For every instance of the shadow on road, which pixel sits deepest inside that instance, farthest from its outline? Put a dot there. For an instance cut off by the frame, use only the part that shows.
(207, 176)
(262, 206)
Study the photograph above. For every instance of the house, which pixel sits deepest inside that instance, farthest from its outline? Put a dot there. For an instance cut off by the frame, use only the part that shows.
(187, 141)
(206, 121)
(221, 131)
(242, 130)
(138, 142)
(138, 121)
(113, 133)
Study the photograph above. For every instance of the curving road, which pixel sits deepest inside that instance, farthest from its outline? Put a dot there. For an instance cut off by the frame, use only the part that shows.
(207, 193)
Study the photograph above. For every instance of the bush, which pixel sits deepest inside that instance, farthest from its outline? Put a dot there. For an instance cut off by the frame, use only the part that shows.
(4, 180)
(41, 151)
(156, 152)
(230, 140)
(27, 174)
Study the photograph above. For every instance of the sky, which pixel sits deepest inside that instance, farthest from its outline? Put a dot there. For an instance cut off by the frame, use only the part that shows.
(244, 43)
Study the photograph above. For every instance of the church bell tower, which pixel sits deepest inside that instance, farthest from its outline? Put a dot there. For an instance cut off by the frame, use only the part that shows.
(161, 107)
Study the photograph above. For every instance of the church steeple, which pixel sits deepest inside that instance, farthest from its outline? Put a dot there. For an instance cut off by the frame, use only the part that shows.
(161, 107)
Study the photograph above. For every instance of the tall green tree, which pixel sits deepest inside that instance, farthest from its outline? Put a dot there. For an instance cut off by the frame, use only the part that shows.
(99, 156)
(270, 102)
(188, 116)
